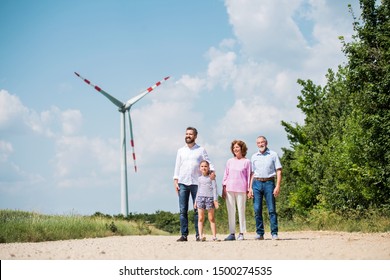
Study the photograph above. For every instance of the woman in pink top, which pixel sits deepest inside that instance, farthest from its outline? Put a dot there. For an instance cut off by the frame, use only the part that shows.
(235, 187)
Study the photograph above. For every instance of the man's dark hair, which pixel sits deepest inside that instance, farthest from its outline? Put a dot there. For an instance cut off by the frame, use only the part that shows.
(193, 129)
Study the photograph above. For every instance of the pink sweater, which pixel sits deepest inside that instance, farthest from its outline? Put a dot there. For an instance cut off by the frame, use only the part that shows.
(237, 175)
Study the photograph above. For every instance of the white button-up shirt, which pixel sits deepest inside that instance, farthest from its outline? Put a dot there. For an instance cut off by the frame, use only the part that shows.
(187, 164)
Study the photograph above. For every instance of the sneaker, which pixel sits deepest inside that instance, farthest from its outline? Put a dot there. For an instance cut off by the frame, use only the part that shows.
(203, 239)
(240, 237)
(182, 238)
(275, 237)
(198, 238)
(231, 237)
(259, 237)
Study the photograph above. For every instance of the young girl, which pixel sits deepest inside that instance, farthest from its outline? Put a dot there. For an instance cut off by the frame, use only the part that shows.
(206, 199)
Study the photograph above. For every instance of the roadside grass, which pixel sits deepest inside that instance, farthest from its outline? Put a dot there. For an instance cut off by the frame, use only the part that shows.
(363, 220)
(368, 220)
(21, 226)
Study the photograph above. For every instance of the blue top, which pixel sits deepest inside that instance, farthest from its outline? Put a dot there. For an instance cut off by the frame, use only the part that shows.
(265, 165)
(207, 187)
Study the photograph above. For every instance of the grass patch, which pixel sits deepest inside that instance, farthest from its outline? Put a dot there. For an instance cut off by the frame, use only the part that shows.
(20, 226)
(362, 220)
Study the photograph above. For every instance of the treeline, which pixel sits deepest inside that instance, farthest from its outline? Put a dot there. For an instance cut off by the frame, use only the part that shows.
(339, 159)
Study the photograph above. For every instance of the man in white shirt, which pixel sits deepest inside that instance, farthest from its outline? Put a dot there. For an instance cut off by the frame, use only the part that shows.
(185, 178)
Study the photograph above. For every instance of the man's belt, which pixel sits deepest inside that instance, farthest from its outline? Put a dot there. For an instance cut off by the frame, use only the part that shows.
(264, 179)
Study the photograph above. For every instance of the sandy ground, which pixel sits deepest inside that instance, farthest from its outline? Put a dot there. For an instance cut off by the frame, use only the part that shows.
(305, 245)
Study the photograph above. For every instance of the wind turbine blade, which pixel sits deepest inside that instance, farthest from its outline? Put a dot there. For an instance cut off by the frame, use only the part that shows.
(110, 97)
(132, 141)
(133, 100)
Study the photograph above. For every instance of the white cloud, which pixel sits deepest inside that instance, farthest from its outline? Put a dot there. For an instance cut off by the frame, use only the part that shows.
(73, 154)
(12, 176)
(188, 84)
(12, 111)
(14, 116)
(221, 69)
(5, 150)
(264, 83)
(71, 121)
(246, 119)
(329, 22)
(266, 30)
(79, 159)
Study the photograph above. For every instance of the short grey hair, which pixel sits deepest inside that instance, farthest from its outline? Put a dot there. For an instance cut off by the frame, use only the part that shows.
(261, 136)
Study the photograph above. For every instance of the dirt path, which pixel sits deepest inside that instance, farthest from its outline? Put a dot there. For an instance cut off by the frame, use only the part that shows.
(306, 245)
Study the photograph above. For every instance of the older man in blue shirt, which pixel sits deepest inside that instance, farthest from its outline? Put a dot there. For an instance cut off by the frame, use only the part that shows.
(266, 167)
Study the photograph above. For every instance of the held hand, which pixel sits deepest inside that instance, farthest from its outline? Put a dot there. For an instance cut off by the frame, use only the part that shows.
(216, 204)
(250, 194)
(177, 188)
(224, 192)
(212, 175)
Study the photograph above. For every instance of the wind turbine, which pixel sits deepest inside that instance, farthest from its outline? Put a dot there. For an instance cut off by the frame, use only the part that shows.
(123, 108)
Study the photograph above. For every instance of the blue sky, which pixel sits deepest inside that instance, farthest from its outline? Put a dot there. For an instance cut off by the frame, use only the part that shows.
(233, 68)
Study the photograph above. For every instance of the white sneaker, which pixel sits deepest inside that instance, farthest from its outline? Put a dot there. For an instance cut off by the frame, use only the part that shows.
(275, 237)
(240, 237)
(259, 237)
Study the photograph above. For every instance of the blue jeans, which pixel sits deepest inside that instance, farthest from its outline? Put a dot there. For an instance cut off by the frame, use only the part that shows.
(184, 197)
(260, 190)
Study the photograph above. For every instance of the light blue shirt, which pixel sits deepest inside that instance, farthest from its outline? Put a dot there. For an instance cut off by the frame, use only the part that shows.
(265, 165)
(207, 187)
(187, 164)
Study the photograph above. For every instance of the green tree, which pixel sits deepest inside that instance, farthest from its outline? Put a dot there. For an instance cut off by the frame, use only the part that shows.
(339, 157)
(369, 85)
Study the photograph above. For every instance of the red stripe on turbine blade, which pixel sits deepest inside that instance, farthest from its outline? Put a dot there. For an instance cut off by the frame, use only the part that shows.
(77, 74)
(166, 78)
(158, 83)
(133, 156)
(98, 88)
(132, 142)
(135, 168)
(88, 82)
(150, 89)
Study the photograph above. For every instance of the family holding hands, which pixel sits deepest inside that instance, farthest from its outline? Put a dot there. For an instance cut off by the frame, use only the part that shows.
(258, 177)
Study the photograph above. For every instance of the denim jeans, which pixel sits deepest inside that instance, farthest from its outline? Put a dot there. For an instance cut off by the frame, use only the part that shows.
(184, 197)
(260, 190)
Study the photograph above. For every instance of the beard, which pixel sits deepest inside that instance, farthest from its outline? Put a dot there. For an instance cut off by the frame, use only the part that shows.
(189, 140)
(262, 149)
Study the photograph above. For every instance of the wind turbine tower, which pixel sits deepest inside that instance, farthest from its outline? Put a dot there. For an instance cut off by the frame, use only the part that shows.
(123, 108)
